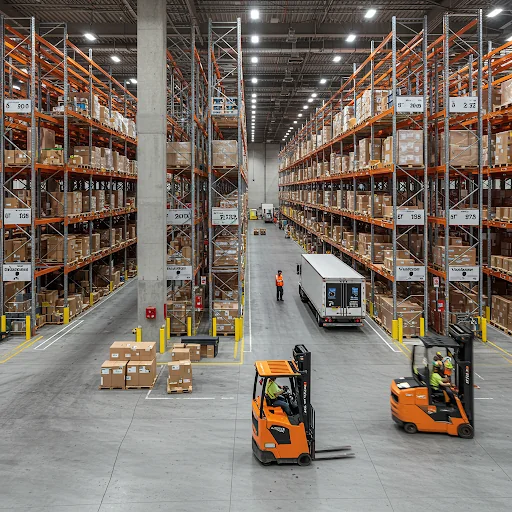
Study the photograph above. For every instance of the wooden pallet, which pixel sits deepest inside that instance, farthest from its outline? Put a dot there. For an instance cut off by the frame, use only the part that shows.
(142, 387)
(502, 107)
(501, 165)
(106, 387)
(178, 390)
(225, 333)
(500, 327)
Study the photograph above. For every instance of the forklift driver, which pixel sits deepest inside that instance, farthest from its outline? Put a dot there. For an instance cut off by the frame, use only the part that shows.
(273, 392)
(437, 380)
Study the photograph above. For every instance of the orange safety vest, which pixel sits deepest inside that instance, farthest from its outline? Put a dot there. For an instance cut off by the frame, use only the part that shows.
(279, 280)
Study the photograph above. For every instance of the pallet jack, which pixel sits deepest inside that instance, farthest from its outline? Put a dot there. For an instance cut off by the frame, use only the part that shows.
(277, 437)
(417, 407)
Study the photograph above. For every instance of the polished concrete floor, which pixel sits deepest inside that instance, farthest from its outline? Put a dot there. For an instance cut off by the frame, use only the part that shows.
(67, 446)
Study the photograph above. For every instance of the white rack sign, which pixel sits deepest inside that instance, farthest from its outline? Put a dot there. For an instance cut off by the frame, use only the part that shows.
(18, 216)
(410, 217)
(224, 216)
(17, 106)
(464, 217)
(17, 272)
(178, 217)
(409, 104)
(179, 272)
(410, 273)
(463, 274)
(463, 104)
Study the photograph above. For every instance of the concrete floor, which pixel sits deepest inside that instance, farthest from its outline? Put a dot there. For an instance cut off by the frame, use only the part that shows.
(66, 446)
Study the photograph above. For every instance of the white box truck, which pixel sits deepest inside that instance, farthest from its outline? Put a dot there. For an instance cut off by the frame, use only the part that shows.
(334, 290)
(267, 211)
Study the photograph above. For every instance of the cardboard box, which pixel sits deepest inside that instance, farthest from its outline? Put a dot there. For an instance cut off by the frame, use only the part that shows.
(121, 351)
(180, 354)
(146, 373)
(195, 352)
(180, 372)
(113, 374)
(207, 351)
(143, 351)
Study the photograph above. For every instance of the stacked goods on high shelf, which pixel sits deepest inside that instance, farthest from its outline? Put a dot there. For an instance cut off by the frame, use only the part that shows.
(179, 307)
(179, 155)
(225, 153)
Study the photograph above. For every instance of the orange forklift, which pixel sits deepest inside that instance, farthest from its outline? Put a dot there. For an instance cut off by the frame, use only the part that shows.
(416, 406)
(277, 437)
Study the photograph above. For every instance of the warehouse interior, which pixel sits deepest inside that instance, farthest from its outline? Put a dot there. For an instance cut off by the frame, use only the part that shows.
(166, 165)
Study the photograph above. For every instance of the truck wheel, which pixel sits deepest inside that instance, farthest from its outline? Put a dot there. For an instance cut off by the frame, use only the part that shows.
(304, 459)
(410, 428)
(303, 296)
(319, 320)
(466, 431)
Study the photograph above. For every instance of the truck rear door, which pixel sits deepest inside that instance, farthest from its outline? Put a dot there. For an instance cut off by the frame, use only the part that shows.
(343, 299)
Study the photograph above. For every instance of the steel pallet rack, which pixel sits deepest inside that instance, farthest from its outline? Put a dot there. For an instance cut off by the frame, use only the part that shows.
(227, 175)
(44, 73)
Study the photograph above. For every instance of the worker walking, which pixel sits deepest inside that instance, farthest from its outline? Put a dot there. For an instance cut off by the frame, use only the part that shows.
(279, 285)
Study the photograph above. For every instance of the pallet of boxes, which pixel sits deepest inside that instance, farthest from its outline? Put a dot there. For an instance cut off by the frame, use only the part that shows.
(130, 366)
(180, 367)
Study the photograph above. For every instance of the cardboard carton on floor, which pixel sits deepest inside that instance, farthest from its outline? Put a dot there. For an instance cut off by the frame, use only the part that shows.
(179, 370)
(140, 373)
(113, 374)
(207, 351)
(195, 352)
(121, 351)
(143, 351)
(180, 354)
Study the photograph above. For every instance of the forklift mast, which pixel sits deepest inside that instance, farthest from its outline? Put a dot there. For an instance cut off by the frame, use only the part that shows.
(302, 357)
(464, 359)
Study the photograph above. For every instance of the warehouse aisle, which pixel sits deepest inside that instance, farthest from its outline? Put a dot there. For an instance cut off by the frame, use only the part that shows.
(68, 446)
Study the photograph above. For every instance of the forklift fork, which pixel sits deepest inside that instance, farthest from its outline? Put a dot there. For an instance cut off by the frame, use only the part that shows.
(332, 450)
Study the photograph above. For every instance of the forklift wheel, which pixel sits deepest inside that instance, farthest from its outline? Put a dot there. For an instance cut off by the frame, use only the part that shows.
(304, 459)
(410, 428)
(466, 431)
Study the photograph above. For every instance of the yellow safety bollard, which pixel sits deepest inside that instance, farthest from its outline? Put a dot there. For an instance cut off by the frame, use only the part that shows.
(401, 330)
(394, 329)
(138, 334)
(3, 323)
(28, 328)
(241, 326)
(484, 329)
(168, 324)
(214, 326)
(125, 276)
(66, 315)
(236, 329)
(422, 326)
(91, 299)
(111, 286)
(487, 313)
(189, 326)
(162, 339)
(371, 309)
(243, 299)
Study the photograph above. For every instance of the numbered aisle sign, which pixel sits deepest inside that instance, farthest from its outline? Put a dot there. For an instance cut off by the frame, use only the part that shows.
(17, 106)
(18, 216)
(410, 217)
(179, 217)
(409, 104)
(410, 273)
(16, 272)
(463, 104)
(465, 217)
(463, 274)
(225, 216)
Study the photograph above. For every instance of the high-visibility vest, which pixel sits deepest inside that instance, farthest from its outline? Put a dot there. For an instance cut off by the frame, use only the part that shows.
(279, 280)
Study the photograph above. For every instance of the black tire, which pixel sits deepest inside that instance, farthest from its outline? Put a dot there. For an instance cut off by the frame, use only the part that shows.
(319, 320)
(410, 428)
(303, 296)
(304, 459)
(466, 431)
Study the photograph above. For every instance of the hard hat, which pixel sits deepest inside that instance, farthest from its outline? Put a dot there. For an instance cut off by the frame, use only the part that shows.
(439, 354)
(279, 271)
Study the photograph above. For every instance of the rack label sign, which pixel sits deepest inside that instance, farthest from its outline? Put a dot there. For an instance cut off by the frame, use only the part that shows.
(17, 106)
(410, 217)
(411, 273)
(179, 217)
(18, 216)
(464, 217)
(224, 216)
(463, 104)
(409, 104)
(16, 272)
(463, 273)
(179, 272)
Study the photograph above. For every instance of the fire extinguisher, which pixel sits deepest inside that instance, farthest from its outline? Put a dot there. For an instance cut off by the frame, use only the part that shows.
(199, 302)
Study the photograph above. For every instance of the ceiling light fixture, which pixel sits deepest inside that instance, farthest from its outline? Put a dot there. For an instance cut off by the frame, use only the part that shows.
(254, 80)
(336, 58)
(89, 36)
(314, 95)
(323, 81)
(115, 58)
(370, 13)
(310, 100)
(17, 87)
(133, 80)
(305, 107)
(255, 39)
(509, 38)
(294, 122)
(253, 101)
(494, 12)
(253, 95)
(254, 60)
(351, 38)
(300, 115)
(255, 14)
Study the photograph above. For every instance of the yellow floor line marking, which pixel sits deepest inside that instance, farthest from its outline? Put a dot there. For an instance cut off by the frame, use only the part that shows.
(23, 346)
(501, 350)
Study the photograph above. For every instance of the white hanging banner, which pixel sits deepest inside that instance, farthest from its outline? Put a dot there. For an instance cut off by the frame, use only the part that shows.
(17, 106)
(18, 216)
(179, 273)
(463, 274)
(410, 273)
(409, 104)
(17, 272)
(465, 217)
(410, 217)
(179, 217)
(224, 216)
(463, 104)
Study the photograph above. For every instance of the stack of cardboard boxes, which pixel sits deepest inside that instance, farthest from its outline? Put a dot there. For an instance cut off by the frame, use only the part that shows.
(130, 365)
(225, 153)
(458, 253)
(410, 148)
(463, 148)
(180, 367)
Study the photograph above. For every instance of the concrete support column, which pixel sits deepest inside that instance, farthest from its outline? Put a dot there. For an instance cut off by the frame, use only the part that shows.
(151, 185)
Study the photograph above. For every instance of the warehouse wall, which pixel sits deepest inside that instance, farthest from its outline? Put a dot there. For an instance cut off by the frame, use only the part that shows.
(263, 173)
